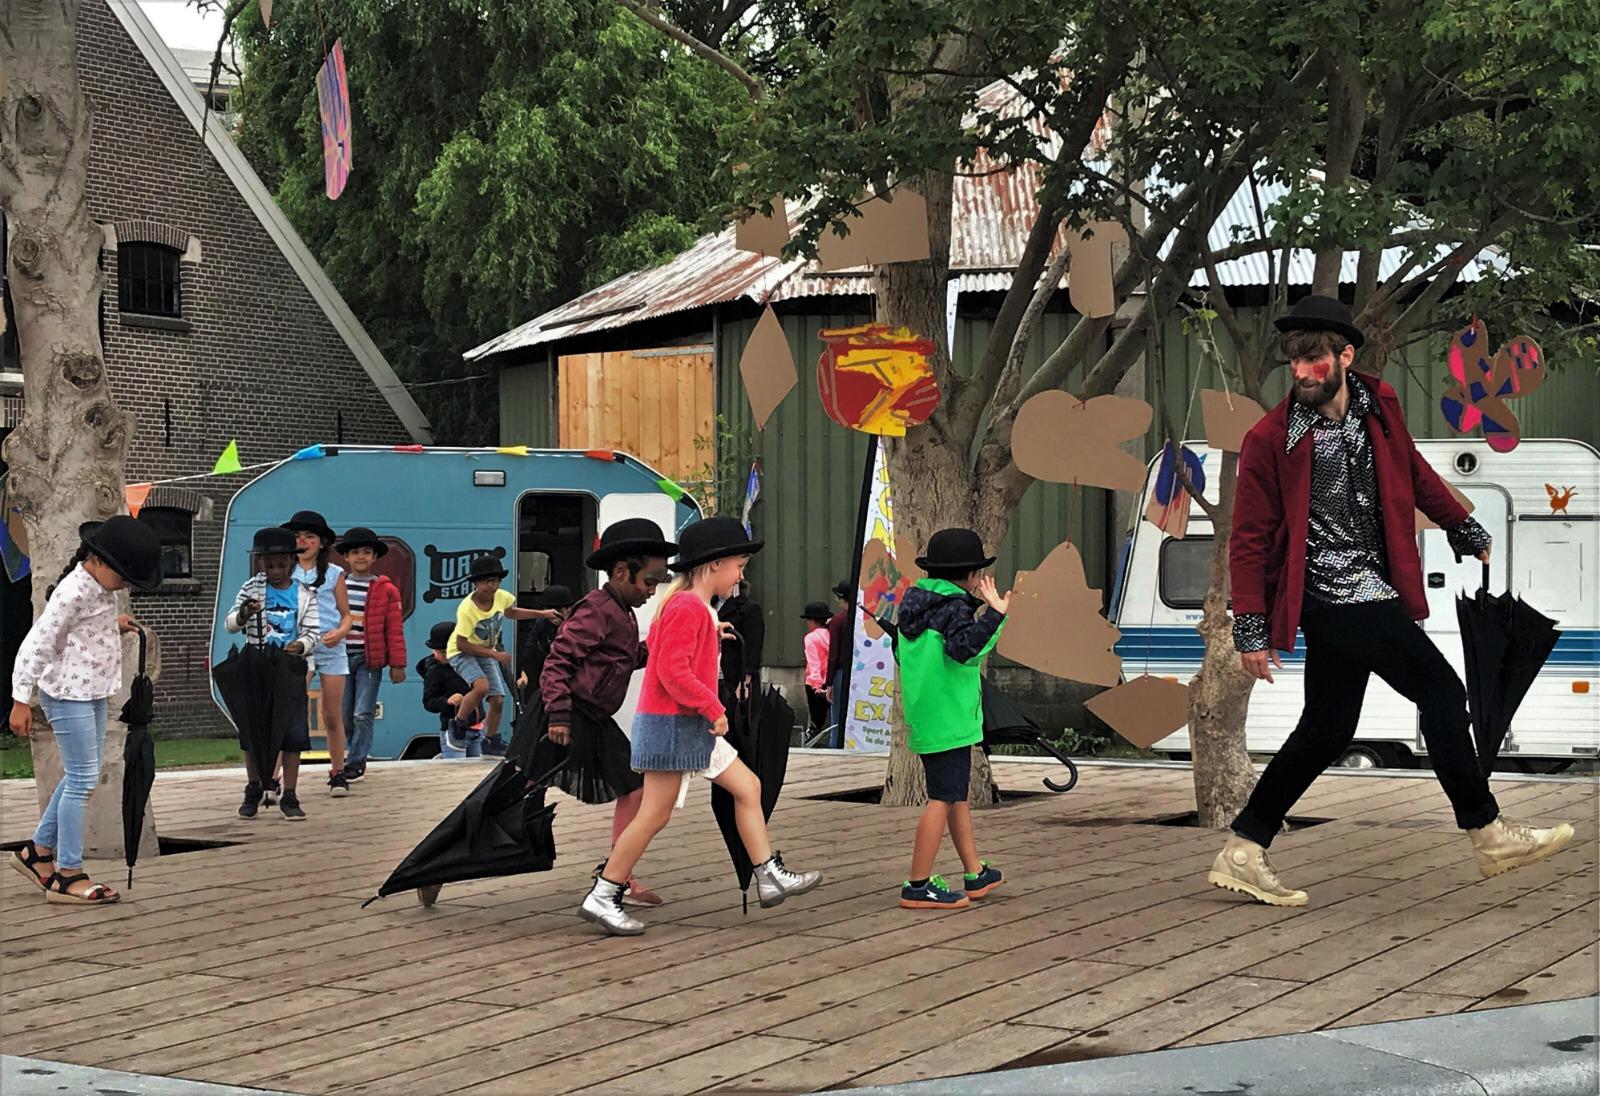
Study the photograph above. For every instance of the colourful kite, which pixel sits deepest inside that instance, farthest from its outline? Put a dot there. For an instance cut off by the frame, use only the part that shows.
(333, 99)
(877, 379)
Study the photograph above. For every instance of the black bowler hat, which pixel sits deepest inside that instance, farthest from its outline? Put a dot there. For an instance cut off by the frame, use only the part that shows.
(1317, 313)
(554, 596)
(487, 567)
(816, 611)
(276, 541)
(841, 590)
(628, 538)
(439, 635)
(712, 539)
(361, 537)
(129, 547)
(955, 550)
(309, 521)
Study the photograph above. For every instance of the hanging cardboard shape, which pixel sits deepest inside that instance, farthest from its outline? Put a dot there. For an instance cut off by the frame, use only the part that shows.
(135, 495)
(266, 14)
(1168, 508)
(877, 379)
(1424, 522)
(885, 578)
(767, 367)
(1482, 384)
(333, 101)
(1228, 418)
(1144, 710)
(1062, 439)
(1055, 624)
(888, 229)
(764, 233)
(1095, 253)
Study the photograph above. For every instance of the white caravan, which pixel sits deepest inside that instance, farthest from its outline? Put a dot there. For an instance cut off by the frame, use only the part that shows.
(1541, 503)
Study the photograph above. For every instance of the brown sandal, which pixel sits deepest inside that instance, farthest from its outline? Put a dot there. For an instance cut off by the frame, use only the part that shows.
(24, 860)
(55, 890)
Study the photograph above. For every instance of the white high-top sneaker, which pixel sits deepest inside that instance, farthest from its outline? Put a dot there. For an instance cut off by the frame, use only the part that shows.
(603, 907)
(774, 882)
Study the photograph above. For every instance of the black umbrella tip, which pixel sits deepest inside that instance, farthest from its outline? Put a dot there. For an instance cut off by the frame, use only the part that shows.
(371, 900)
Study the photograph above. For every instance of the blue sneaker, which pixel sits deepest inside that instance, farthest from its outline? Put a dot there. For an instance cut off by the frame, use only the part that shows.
(935, 894)
(985, 881)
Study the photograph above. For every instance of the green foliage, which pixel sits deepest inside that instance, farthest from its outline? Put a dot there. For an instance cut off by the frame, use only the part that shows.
(718, 483)
(508, 156)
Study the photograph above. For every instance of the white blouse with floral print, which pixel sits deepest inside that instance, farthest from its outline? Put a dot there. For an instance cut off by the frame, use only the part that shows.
(72, 651)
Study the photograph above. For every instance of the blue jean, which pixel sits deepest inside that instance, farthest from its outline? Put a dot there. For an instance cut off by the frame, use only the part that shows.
(360, 706)
(80, 729)
(471, 668)
(841, 705)
(471, 740)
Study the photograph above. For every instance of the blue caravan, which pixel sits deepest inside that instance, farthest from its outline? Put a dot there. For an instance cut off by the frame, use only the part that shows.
(540, 511)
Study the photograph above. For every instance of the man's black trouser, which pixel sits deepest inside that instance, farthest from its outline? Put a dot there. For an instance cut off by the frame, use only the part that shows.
(1344, 645)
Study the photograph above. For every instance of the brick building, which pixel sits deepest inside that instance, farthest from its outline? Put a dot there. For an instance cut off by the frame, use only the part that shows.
(218, 325)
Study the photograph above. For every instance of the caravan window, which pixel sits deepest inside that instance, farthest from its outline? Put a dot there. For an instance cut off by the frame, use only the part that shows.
(555, 534)
(1185, 571)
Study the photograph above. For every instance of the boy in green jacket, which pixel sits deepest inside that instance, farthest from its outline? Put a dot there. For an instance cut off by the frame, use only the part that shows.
(941, 650)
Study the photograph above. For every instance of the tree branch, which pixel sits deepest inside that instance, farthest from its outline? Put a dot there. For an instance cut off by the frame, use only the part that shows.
(751, 85)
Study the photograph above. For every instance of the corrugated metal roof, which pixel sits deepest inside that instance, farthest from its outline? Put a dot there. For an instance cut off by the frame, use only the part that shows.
(992, 213)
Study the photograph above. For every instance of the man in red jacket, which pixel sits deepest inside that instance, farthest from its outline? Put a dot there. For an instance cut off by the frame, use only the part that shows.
(1324, 542)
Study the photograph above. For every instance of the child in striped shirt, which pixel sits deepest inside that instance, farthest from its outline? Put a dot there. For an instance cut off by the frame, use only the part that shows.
(376, 640)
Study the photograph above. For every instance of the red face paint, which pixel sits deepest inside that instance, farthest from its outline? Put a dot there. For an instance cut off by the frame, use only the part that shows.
(1320, 370)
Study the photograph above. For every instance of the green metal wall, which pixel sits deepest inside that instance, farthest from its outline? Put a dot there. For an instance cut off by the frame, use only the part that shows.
(525, 407)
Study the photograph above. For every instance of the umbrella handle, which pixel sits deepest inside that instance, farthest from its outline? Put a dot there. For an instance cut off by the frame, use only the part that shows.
(143, 640)
(1484, 584)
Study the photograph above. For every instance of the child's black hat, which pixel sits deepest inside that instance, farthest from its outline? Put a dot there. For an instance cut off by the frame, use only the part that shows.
(487, 567)
(955, 550)
(362, 537)
(554, 596)
(276, 541)
(816, 611)
(439, 635)
(309, 521)
(129, 547)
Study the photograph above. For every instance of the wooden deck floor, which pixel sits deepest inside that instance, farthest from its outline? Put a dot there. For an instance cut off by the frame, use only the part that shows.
(254, 964)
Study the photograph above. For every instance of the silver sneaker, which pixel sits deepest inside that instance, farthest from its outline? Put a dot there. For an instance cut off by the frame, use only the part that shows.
(774, 882)
(603, 907)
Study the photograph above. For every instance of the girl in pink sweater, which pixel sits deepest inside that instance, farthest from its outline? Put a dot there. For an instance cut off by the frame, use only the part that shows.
(679, 726)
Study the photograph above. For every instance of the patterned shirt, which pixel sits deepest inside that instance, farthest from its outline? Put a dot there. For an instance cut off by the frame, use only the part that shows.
(72, 651)
(1346, 558)
(355, 592)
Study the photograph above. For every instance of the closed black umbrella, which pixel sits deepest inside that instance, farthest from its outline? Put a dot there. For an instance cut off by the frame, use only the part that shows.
(502, 828)
(138, 760)
(244, 682)
(1504, 643)
(1007, 723)
(759, 730)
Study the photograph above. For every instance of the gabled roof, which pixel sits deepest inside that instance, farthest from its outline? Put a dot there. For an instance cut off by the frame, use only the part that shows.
(993, 211)
(244, 179)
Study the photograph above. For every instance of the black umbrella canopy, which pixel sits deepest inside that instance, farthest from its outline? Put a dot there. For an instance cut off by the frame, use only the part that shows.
(501, 828)
(245, 682)
(1504, 644)
(138, 759)
(759, 730)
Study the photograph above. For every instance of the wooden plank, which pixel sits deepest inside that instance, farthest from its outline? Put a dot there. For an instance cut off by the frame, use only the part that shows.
(689, 455)
(650, 410)
(1578, 975)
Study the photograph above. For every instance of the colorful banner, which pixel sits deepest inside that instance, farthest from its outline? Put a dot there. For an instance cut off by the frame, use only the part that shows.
(872, 673)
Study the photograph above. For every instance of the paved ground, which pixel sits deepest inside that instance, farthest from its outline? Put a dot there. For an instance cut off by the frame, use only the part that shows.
(254, 965)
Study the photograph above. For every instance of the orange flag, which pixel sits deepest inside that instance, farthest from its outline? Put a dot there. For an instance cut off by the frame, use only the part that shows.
(136, 494)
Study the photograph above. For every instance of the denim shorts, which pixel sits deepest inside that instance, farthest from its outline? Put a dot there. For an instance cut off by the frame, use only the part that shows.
(334, 661)
(949, 774)
(471, 667)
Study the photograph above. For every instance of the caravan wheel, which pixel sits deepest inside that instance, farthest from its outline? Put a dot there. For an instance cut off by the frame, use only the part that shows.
(1360, 757)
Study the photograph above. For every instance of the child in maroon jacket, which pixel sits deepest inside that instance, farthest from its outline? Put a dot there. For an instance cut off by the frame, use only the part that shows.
(377, 639)
(680, 726)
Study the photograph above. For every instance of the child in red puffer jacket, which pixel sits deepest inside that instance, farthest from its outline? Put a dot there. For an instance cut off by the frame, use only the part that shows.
(377, 640)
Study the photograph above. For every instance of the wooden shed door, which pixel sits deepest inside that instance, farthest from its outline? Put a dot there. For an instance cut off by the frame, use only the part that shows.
(650, 403)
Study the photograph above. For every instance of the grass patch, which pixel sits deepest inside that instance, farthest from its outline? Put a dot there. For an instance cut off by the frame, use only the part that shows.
(16, 757)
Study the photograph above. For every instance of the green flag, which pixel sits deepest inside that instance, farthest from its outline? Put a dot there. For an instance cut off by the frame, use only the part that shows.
(229, 461)
(671, 490)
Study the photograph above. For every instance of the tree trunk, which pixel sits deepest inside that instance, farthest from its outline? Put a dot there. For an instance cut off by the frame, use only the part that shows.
(1219, 695)
(66, 459)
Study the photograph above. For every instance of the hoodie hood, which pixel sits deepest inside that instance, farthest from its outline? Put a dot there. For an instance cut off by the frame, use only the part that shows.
(928, 603)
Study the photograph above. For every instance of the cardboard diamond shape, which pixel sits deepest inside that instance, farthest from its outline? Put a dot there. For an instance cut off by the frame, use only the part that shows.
(1055, 624)
(767, 367)
(1144, 710)
(764, 233)
(1062, 439)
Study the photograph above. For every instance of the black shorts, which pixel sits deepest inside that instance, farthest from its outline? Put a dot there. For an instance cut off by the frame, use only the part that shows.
(949, 772)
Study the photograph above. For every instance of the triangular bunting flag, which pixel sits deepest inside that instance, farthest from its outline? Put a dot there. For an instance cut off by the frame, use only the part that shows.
(229, 461)
(671, 490)
(512, 450)
(135, 495)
